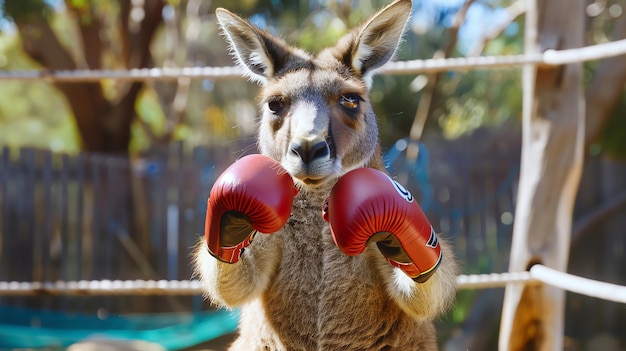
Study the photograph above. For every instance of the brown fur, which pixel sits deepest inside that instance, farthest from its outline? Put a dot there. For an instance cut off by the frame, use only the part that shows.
(296, 289)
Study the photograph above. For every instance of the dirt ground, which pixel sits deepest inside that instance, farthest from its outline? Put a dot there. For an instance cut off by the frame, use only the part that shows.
(219, 344)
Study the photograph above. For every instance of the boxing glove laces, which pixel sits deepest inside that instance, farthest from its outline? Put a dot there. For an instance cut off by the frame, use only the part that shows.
(255, 194)
(367, 206)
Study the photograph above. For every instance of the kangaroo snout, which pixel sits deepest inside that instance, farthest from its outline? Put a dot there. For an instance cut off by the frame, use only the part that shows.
(308, 159)
(309, 150)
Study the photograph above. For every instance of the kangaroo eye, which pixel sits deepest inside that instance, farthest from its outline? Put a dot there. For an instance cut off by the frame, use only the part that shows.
(275, 105)
(350, 102)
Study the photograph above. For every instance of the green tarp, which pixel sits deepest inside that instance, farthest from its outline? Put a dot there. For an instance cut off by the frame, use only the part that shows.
(31, 328)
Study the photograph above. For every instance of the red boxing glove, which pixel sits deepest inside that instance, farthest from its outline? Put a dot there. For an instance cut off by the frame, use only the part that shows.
(253, 194)
(367, 205)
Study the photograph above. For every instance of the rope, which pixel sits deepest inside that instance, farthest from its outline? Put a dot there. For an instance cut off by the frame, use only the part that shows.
(460, 63)
(548, 58)
(542, 274)
(192, 287)
(102, 287)
(580, 285)
(537, 274)
(494, 280)
(137, 74)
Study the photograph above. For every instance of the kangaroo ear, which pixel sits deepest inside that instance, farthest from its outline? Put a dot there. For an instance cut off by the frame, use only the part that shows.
(255, 50)
(375, 43)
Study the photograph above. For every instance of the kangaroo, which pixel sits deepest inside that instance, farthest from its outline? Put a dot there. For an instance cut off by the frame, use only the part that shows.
(295, 288)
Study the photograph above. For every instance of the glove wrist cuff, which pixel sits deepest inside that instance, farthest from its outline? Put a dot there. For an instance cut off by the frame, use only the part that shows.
(413, 271)
(231, 254)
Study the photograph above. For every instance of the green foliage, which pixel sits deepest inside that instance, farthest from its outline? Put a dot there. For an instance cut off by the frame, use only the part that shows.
(227, 111)
(326, 33)
(79, 3)
(32, 112)
(217, 112)
(602, 25)
(462, 306)
(481, 98)
(613, 138)
(21, 9)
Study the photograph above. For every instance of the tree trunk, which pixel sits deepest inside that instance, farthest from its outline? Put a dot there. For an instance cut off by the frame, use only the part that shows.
(104, 125)
(552, 157)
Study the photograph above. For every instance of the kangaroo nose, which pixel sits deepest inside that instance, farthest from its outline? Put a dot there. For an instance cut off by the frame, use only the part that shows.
(309, 151)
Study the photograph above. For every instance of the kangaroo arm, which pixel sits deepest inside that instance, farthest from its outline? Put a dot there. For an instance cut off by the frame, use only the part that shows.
(232, 285)
(424, 301)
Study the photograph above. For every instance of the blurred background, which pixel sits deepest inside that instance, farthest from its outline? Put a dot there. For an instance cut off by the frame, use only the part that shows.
(109, 179)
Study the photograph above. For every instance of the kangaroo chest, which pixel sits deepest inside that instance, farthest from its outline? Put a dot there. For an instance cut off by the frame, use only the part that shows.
(320, 298)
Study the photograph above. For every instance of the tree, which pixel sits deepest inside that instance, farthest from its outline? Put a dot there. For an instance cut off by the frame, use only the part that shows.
(552, 159)
(103, 116)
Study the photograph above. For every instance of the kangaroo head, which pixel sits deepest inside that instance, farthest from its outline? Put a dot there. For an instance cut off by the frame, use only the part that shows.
(316, 118)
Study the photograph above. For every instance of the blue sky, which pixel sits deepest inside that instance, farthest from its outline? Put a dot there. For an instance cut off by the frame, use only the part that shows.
(480, 18)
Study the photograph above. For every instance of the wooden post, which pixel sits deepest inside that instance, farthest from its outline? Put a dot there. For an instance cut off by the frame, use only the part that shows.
(552, 156)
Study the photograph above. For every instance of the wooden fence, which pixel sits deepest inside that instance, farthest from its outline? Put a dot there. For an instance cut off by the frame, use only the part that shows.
(83, 217)
(91, 217)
